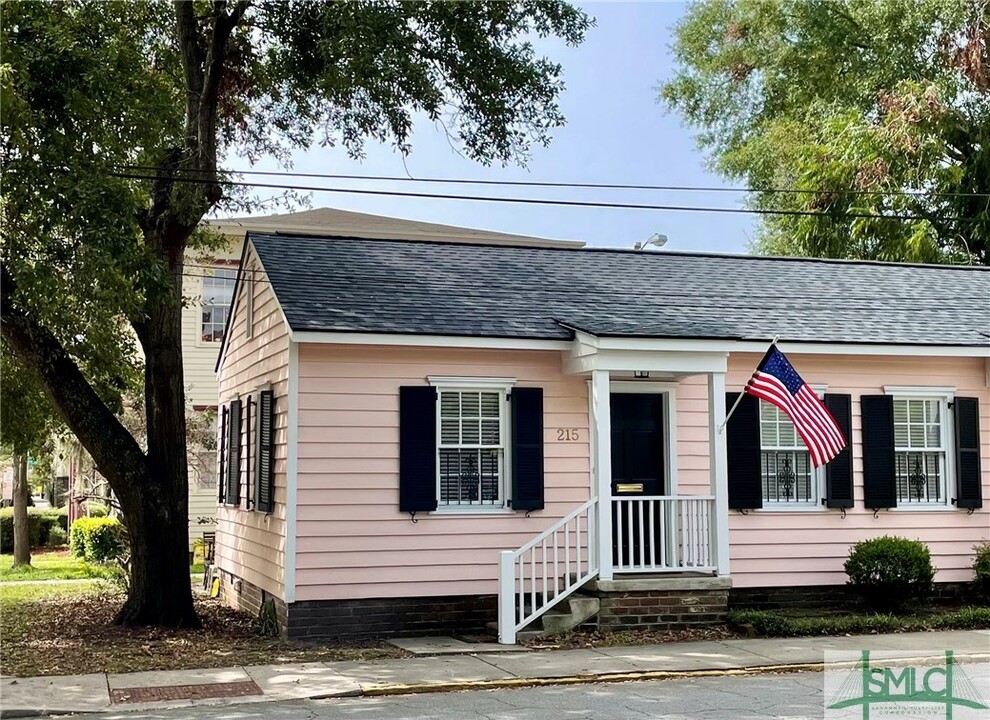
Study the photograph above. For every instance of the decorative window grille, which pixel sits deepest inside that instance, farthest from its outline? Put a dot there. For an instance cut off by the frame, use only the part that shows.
(471, 452)
(787, 473)
(919, 450)
(218, 290)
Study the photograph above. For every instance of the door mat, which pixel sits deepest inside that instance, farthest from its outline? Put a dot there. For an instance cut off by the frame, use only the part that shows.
(184, 692)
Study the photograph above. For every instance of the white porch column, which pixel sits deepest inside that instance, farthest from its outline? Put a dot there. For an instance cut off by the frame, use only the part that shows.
(719, 468)
(602, 420)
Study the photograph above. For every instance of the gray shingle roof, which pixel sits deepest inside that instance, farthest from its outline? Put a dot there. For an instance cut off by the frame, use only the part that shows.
(384, 286)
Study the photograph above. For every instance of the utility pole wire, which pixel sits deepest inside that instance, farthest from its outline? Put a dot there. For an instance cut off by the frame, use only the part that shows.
(539, 201)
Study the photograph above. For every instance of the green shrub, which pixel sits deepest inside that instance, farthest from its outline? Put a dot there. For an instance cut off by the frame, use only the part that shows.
(34, 529)
(981, 569)
(98, 540)
(778, 623)
(890, 573)
(57, 537)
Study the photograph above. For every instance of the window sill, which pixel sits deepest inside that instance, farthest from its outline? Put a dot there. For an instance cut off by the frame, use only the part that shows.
(940, 507)
(818, 507)
(470, 511)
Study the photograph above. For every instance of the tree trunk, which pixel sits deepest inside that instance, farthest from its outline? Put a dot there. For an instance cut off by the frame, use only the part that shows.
(157, 515)
(22, 535)
(160, 591)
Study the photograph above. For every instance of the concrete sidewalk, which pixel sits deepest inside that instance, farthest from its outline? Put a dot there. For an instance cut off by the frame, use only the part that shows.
(25, 697)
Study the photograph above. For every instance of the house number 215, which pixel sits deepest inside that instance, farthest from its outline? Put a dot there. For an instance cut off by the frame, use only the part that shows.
(568, 435)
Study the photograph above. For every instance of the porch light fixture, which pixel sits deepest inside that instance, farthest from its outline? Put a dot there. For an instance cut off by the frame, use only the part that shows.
(642, 374)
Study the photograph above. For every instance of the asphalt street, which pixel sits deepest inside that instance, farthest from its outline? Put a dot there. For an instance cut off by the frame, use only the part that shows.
(739, 697)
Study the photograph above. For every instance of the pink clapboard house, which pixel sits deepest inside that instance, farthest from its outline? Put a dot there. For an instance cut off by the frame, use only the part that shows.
(430, 437)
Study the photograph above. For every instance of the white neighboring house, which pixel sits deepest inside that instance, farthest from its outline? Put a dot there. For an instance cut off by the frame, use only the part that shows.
(210, 285)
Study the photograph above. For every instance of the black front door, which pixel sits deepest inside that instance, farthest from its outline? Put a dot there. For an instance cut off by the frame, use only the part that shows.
(638, 464)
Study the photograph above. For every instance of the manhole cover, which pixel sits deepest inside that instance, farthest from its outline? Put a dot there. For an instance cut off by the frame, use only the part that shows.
(184, 692)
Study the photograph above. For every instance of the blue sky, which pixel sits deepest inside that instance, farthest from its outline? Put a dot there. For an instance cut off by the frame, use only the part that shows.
(616, 132)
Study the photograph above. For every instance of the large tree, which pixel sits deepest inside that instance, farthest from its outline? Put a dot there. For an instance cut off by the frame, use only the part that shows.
(864, 107)
(92, 260)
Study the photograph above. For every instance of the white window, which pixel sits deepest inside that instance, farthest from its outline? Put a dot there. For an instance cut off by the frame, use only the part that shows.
(472, 441)
(218, 289)
(920, 450)
(789, 478)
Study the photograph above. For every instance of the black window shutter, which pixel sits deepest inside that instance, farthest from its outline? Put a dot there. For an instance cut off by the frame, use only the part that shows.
(232, 495)
(527, 448)
(742, 441)
(264, 474)
(417, 448)
(838, 472)
(879, 489)
(970, 492)
(222, 474)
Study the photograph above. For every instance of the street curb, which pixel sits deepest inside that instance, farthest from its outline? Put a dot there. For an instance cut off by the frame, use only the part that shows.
(384, 690)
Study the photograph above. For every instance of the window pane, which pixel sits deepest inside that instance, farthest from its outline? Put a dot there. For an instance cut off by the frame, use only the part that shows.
(916, 436)
(450, 404)
(900, 411)
(490, 490)
(490, 432)
(490, 405)
(768, 426)
(450, 431)
(916, 411)
(788, 438)
(470, 433)
(470, 404)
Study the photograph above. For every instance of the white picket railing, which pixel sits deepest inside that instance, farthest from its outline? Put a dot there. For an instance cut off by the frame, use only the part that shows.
(664, 533)
(547, 569)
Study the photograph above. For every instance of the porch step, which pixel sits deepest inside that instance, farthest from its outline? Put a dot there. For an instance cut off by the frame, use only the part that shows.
(572, 612)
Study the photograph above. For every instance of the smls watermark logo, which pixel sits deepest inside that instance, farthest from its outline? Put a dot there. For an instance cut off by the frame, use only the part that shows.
(878, 686)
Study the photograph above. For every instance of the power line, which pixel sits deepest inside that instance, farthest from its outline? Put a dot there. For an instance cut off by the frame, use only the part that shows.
(535, 201)
(575, 185)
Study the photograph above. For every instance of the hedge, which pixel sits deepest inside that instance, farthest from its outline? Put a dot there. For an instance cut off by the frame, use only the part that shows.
(775, 623)
(98, 540)
(40, 524)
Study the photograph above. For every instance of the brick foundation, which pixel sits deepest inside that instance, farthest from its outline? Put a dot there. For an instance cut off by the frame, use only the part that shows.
(817, 596)
(663, 604)
(391, 617)
(248, 598)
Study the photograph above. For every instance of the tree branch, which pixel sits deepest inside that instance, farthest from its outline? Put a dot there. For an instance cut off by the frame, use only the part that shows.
(192, 67)
(213, 71)
(116, 453)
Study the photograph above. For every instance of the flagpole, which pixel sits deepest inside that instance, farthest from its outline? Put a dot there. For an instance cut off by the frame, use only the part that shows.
(739, 398)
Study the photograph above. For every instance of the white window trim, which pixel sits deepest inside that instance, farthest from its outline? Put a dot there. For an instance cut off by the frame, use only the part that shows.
(817, 475)
(946, 395)
(504, 386)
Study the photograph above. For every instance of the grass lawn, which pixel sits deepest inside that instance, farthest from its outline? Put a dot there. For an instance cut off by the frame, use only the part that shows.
(58, 565)
(49, 565)
(65, 629)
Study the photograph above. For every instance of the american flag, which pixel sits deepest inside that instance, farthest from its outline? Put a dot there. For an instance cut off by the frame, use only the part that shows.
(777, 382)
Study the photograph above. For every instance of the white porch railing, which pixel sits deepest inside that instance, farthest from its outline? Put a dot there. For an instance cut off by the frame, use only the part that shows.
(664, 533)
(547, 569)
